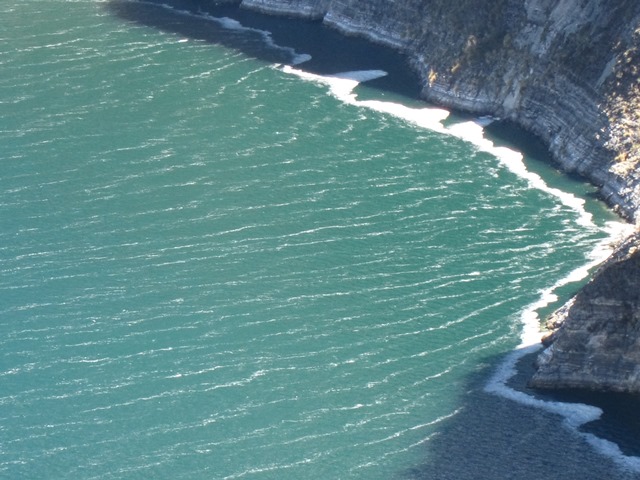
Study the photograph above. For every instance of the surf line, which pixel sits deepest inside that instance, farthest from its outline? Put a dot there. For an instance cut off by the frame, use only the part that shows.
(233, 25)
(574, 414)
(342, 86)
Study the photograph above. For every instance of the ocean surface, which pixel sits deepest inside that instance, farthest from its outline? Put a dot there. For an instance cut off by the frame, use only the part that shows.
(232, 246)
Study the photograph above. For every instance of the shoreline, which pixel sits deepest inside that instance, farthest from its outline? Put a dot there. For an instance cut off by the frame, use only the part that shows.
(584, 113)
(501, 383)
(348, 92)
(577, 415)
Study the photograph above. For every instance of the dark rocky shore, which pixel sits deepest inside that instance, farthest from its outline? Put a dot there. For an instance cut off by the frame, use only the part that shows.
(567, 71)
(598, 344)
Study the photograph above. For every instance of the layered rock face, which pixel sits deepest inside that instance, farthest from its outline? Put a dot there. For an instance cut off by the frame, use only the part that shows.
(597, 345)
(567, 71)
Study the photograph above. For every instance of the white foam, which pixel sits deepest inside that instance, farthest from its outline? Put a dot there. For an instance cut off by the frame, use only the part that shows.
(232, 24)
(301, 58)
(574, 414)
(473, 132)
(531, 321)
(342, 87)
(226, 22)
(612, 451)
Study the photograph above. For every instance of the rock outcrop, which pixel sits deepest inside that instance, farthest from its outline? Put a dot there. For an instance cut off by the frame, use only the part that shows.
(567, 71)
(596, 336)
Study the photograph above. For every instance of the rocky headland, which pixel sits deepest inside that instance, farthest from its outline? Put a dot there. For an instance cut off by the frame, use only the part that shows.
(598, 343)
(567, 71)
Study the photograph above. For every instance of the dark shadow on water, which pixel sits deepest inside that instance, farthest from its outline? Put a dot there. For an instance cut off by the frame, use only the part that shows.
(620, 420)
(495, 438)
(170, 17)
(330, 51)
(507, 133)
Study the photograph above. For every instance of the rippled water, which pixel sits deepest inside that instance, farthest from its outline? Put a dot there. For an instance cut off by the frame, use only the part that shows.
(216, 267)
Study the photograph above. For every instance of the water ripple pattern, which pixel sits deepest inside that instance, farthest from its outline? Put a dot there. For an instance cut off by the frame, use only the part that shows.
(210, 268)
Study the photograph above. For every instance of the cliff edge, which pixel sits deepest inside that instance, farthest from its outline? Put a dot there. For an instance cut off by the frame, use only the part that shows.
(596, 336)
(567, 71)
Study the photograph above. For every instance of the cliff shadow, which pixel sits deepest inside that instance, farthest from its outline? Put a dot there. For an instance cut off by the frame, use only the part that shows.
(273, 39)
(506, 133)
(493, 437)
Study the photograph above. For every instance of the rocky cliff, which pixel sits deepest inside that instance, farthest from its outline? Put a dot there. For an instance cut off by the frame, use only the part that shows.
(564, 70)
(598, 344)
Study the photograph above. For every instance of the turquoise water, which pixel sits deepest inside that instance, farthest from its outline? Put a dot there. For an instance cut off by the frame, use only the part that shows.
(212, 267)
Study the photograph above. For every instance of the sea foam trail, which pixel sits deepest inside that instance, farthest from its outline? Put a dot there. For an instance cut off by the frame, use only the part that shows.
(574, 414)
(231, 24)
(342, 86)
